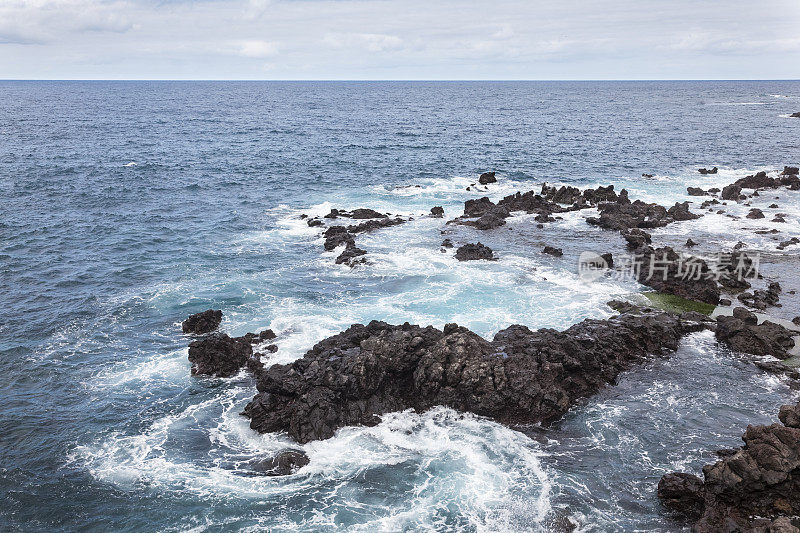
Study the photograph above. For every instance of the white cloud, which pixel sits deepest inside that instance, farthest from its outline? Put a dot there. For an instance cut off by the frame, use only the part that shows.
(372, 42)
(258, 49)
(373, 39)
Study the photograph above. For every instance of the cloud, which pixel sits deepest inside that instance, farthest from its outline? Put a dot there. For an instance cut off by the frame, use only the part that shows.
(372, 42)
(257, 49)
(374, 39)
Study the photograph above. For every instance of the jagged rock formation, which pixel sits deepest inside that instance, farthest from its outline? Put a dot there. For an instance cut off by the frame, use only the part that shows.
(521, 376)
(754, 488)
(200, 323)
(743, 333)
(219, 355)
(486, 178)
(664, 270)
(474, 252)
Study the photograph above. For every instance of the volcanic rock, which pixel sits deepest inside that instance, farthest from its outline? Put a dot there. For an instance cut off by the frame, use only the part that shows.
(200, 323)
(696, 191)
(743, 333)
(285, 463)
(754, 488)
(755, 213)
(473, 252)
(556, 252)
(487, 177)
(731, 192)
(707, 171)
(521, 376)
(437, 211)
(219, 355)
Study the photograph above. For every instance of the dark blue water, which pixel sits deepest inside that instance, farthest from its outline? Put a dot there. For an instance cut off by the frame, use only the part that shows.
(129, 205)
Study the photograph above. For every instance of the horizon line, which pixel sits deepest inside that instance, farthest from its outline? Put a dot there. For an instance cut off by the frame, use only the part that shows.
(400, 79)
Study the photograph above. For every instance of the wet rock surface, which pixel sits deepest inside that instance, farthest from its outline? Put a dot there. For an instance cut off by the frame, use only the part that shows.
(754, 488)
(521, 376)
(219, 355)
(204, 322)
(284, 463)
(474, 252)
(743, 333)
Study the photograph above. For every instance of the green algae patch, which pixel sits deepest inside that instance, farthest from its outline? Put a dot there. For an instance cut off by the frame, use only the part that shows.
(676, 304)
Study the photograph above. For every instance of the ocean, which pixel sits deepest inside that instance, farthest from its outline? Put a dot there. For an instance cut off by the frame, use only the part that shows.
(128, 206)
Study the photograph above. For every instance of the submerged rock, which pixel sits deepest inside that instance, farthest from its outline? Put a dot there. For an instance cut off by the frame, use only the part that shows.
(521, 376)
(285, 463)
(219, 355)
(754, 488)
(473, 252)
(556, 252)
(200, 323)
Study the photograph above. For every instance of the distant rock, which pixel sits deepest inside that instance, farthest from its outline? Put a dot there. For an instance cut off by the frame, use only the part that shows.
(791, 171)
(690, 242)
(473, 252)
(731, 192)
(437, 211)
(200, 323)
(795, 115)
(351, 256)
(556, 252)
(487, 177)
(366, 213)
(755, 213)
(707, 171)
(789, 242)
(696, 191)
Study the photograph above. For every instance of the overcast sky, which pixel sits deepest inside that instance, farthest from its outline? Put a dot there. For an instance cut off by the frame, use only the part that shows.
(393, 39)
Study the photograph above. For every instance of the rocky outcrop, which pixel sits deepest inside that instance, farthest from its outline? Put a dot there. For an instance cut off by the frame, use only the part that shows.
(219, 355)
(754, 488)
(201, 323)
(521, 376)
(696, 191)
(474, 252)
(762, 298)
(437, 211)
(664, 270)
(625, 215)
(707, 171)
(743, 333)
(336, 236)
(731, 192)
(486, 178)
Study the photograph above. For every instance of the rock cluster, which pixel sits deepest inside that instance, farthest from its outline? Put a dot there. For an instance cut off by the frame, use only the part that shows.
(219, 355)
(753, 488)
(352, 255)
(521, 376)
(743, 333)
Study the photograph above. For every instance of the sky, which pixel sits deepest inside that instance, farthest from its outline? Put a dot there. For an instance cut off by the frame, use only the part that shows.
(394, 39)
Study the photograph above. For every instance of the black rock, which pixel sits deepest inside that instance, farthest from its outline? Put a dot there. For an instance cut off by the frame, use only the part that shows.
(351, 256)
(285, 463)
(682, 492)
(753, 488)
(742, 333)
(314, 222)
(556, 252)
(521, 376)
(200, 323)
(755, 213)
(447, 243)
(473, 252)
(707, 171)
(487, 177)
(790, 242)
(366, 213)
(696, 191)
(731, 192)
(791, 171)
(690, 242)
(437, 211)
(219, 355)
